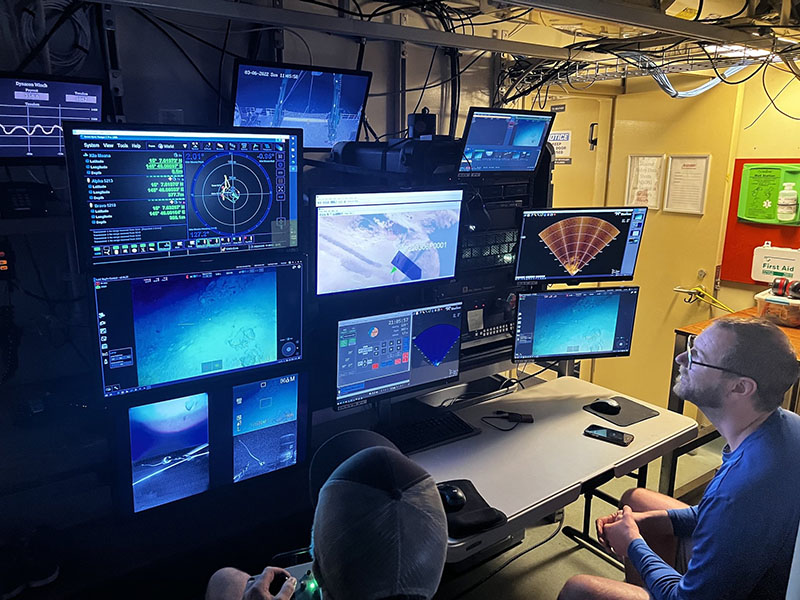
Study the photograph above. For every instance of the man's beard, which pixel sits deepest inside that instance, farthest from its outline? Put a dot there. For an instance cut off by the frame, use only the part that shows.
(710, 397)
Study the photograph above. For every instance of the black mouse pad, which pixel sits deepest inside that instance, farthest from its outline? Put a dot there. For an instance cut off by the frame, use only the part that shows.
(475, 516)
(630, 412)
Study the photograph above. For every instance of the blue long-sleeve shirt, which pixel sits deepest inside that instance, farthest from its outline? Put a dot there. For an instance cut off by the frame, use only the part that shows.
(744, 528)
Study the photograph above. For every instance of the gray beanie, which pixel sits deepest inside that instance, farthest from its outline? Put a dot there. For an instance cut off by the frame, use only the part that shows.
(380, 530)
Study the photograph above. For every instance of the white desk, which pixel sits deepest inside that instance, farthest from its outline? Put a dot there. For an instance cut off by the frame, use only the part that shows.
(536, 469)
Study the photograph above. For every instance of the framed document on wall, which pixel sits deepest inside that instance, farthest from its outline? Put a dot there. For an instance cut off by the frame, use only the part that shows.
(645, 179)
(687, 183)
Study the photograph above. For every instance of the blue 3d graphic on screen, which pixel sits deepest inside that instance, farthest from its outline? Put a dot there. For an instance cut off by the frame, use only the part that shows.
(169, 450)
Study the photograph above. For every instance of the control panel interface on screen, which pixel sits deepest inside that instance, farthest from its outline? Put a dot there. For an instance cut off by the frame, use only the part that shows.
(575, 324)
(169, 450)
(32, 111)
(326, 104)
(162, 329)
(385, 353)
(264, 426)
(502, 141)
(386, 238)
(143, 195)
(592, 244)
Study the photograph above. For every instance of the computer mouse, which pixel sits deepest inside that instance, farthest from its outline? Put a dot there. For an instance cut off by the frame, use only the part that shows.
(606, 406)
(452, 497)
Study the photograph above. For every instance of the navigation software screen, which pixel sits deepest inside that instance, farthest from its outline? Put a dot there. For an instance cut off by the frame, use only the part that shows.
(158, 330)
(155, 194)
(569, 324)
(370, 240)
(385, 353)
(327, 104)
(580, 244)
(32, 111)
(504, 140)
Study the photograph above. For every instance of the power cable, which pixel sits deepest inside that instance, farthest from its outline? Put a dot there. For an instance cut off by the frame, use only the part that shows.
(219, 71)
(67, 61)
(427, 77)
(771, 99)
(435, 84)
(65, 16)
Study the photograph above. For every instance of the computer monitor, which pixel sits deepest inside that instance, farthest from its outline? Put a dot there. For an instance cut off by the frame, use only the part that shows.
(143, 193)
(169, 450)
(504, 140)
(265, 426)
(33, 111)
(579, 244)
(383, 354)
(377, 239)
(571, 324)
(328, 104)
(157, 330)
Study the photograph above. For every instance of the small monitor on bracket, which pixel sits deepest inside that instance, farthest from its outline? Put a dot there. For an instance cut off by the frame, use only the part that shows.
(578, 245)
(34, 108)
(328, 104)
(572, 324)
(385, 354)
(503, 140)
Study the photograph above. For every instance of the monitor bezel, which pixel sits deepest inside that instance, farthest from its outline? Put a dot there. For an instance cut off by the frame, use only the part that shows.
(57, 160)
(277, 65)
(314, 218)
(402, 393)
(573, 279)
(507, 111)
(557, 357)
(80, 214)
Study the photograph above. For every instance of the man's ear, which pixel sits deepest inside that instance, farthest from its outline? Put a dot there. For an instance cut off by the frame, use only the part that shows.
(745, 386)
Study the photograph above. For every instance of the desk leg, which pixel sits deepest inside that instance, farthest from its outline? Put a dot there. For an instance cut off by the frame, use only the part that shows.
(669, 462)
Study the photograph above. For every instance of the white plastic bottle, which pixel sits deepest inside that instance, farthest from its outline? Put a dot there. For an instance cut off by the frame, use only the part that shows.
(787, 202)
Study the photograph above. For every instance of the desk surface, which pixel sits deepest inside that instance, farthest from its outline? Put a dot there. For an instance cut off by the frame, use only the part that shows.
(535, 469)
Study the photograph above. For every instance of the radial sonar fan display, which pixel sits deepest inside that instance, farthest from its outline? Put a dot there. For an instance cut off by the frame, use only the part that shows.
(435, 342)
(577, 240)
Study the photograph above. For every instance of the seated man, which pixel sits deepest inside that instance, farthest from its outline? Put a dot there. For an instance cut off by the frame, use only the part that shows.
(739, 540)
(379, 532)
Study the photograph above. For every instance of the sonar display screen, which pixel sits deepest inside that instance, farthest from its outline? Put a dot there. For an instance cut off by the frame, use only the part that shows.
(381, 354)
(370, 240)
(327, 104)
(32, 111)
(144, 194)
(169, 450)
(504, 140)
(569, 324)
(580, 244)
(158, 330)
(264, 426)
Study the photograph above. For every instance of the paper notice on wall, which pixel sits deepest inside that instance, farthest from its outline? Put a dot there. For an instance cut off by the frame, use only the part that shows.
(645, 175)
(687, 180)
(561, 141)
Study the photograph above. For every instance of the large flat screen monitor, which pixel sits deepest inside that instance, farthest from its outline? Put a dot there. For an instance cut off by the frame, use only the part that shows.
(142, 193)
(265, 426)
(169, 450)
(328, 104)
(579, 244)
(377, 239)
(383, 354)
(570, 324)
(158, 330)
(498, 140)
(32, 111)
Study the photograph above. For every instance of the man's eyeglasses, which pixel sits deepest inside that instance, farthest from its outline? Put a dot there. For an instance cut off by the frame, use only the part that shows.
(691, 361)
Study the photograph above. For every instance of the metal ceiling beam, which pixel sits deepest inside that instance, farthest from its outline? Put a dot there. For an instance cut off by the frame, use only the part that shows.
(282, 17)
(647, 18)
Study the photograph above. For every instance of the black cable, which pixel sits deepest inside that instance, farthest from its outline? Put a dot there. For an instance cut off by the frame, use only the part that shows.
(511, 560)
(436, 84)
(197, 38)
(65, 16)
(511, 18)
(699, 10)
(771, 99)
(427, 77)
(753, 74)
(155, 24)
(486, 421)
(333, 7)
(219, 71)
(733, 16)
(513, 380)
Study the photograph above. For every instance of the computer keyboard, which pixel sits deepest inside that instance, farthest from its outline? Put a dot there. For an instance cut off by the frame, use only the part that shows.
(430, 433)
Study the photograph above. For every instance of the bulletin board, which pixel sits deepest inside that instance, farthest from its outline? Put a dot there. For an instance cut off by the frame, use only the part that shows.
(741, 236)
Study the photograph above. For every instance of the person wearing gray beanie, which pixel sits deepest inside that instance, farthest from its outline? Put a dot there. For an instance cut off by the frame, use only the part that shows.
(379, 531)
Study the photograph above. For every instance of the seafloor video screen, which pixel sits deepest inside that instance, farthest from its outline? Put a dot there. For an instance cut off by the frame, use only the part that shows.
(575, 323)
(592, 244)
(380, 239)
(264, 426)
(169, 450)
(162, 329)
(326, 105)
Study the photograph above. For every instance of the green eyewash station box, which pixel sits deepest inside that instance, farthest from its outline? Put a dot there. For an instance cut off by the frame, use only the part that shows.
(768, 194)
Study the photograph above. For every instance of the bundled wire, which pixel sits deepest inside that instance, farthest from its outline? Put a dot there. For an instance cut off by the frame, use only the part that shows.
(62, 61)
